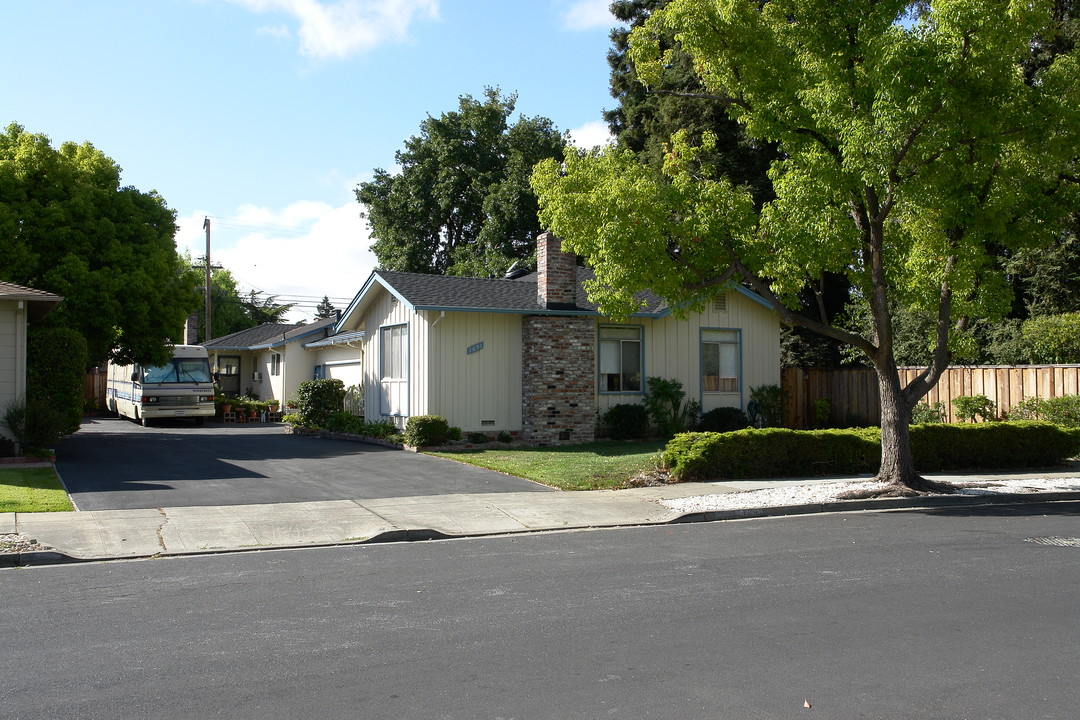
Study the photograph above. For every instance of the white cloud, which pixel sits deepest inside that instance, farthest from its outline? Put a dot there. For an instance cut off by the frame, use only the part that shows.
(588, 15)
(336, 29)
(307, 249)
(591, 134)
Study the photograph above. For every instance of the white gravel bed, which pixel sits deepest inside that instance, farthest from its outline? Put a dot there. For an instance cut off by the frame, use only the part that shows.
(830, 492)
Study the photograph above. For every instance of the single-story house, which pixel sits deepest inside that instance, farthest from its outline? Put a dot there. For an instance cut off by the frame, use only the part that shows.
(271, 360)
(533, 356)
(20, 307)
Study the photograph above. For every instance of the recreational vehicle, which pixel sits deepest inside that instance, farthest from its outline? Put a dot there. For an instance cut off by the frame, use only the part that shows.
(181, 388)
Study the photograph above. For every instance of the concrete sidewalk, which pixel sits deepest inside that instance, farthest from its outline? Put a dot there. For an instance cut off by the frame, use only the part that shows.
(116, 534)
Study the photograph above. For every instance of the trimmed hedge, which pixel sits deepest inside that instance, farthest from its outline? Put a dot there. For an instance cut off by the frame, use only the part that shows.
(992, 445)
(776, 452)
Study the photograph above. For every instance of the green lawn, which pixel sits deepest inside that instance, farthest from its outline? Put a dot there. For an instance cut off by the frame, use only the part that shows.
(32, 490)
(593, 466)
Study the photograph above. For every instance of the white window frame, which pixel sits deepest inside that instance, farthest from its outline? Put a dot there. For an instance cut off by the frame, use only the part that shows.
(275, 363)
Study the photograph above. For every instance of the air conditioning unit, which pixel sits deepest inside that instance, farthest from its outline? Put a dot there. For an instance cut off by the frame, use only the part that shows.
(256, 376)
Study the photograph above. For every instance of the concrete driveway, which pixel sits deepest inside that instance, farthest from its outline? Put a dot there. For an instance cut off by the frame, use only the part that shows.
(113, 464)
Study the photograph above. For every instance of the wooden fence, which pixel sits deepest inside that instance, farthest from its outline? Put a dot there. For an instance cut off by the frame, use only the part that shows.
(95, 389)
(852, 394)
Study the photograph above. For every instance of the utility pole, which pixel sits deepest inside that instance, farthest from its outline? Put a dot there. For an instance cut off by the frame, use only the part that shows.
(208, 325)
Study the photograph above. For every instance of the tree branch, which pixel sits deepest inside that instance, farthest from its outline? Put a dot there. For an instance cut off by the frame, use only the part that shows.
(789, 317)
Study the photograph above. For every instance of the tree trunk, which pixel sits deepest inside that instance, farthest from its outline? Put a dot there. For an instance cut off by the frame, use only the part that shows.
(897, 461)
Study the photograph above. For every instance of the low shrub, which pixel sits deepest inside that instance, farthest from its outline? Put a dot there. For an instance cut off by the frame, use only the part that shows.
(975, 406)
(924, 412)
(626, 421)
(776, 452)
(505, 436)
(454, 435)
(766, 406)
(1064, 411)
(723, 419)
(424, 430)
(771, 452)
(666, 406)
(992, 445)
(477, 437)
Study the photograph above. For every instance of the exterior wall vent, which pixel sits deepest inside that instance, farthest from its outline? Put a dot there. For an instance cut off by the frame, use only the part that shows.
(487, 423)
(720, 303)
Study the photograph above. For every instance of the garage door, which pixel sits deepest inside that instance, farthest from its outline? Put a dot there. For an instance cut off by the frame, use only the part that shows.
(350, 373)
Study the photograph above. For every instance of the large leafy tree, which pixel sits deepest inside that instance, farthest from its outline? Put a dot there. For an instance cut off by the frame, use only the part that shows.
(912, 149)
(461, 203)
(67, 226)
(648, 116)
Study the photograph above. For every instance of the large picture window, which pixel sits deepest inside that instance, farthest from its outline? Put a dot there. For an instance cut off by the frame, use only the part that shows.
(720, 361)
(620, 359)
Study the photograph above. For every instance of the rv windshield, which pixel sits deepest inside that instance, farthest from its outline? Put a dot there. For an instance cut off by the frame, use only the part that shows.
(179, 370)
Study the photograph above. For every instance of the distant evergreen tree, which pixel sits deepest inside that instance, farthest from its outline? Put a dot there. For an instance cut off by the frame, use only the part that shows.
(325, 309)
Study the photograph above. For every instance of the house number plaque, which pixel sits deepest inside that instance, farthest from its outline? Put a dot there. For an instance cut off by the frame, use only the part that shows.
(474, 348)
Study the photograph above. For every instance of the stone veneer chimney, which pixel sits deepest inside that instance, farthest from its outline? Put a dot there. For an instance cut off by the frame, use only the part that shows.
(558, 363)
(556, 274)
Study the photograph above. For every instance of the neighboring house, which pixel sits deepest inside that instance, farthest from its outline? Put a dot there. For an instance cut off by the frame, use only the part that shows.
(271, 360)
(20, 307)
(534, 357)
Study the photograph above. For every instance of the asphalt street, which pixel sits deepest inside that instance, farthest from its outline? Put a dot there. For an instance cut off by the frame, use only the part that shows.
(951, 613)
(113, 464)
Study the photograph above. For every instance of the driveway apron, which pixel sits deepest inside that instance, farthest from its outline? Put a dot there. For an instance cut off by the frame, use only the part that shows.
(113, 464)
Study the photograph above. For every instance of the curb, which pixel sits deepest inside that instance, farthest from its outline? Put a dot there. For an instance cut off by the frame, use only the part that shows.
(916, 503)
(55, 557)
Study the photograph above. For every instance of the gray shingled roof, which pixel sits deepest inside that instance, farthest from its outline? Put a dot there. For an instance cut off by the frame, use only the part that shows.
(252, 337)
(268, 334)
(11, 291)
(444, 292)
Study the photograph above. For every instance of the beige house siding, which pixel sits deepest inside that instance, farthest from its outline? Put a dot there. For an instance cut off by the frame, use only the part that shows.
(385, 311)
(12, 355)
(477, 390)
(673, 350)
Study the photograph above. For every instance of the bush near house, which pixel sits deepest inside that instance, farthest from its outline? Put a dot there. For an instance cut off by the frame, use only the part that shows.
(724, 419)
(317, 400)
(776, 452)
(626, 421)
(424, 430)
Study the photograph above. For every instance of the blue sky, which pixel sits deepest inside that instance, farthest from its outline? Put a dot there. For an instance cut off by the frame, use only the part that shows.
(265, 114)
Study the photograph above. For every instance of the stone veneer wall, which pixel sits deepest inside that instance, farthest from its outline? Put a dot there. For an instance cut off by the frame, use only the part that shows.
(558, 383)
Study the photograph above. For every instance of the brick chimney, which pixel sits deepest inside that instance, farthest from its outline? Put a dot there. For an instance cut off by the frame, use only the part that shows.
(556, 274)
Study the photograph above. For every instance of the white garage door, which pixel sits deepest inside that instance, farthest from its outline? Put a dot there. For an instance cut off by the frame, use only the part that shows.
(350, 373)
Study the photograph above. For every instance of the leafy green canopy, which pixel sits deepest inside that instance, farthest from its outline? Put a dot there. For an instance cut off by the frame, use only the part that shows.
(461, 204)
(908, 151)
(68, 227)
